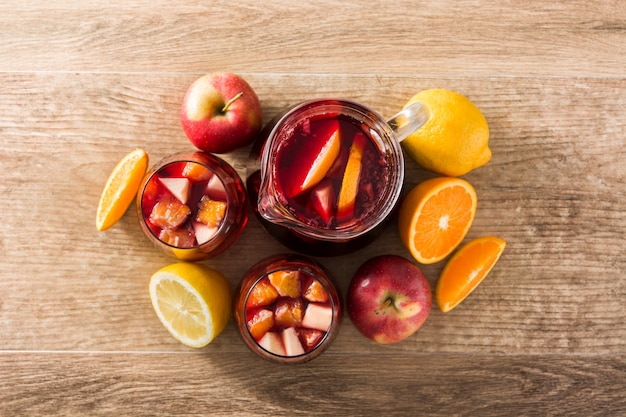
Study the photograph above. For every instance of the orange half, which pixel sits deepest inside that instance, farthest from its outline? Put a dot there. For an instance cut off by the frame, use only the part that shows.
(435, 217)
(466, 269)
(121, 188)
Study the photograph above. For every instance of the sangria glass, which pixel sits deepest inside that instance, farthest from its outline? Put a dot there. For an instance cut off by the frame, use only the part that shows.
(287, 309)
(192, 205)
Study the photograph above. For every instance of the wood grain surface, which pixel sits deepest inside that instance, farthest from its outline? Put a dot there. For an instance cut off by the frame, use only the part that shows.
(82, 84)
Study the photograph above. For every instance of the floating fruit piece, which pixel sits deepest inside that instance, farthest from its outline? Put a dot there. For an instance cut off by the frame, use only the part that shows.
(350, 180)
(260, 323)
(292, 344)
(454, 140)
(169, 212)
(322, 200)
(435, 217)
(121, 188)
(262, 294)
(288, 313)
(272, 342)
(180, 238)
(310, 337)
(210, 212)
(179, 187)
(196, 172)
(316, 293)
(203, 232)
(215, 189)
(192, 301)
(286, 282)
(317, 317)
(322, 150)
(466, 269)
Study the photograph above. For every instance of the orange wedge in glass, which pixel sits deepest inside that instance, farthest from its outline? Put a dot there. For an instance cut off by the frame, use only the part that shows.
(435, 217)
(466, 269)
(350, 180)
(121, 188)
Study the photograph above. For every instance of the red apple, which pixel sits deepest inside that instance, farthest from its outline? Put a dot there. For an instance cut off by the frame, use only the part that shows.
(388, 299)
(220, 113)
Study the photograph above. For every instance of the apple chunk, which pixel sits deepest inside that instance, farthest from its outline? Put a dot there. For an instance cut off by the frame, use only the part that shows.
(318, 317)
(350, 180)
(272, 343)
(179, 187)
(203, 232)
(322, 149)
(292, 344)
(322, 200)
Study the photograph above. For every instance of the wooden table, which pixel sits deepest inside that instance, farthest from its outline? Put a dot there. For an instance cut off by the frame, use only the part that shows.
(82, 84)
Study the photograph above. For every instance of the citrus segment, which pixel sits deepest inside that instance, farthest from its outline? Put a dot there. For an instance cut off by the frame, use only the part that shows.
(454, 140)
(350, 180)
(435, 217)
(121, 188)
(192, 301)
(466, 269)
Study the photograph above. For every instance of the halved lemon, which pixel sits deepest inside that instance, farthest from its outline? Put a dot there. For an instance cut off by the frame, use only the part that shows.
(120, 188)
(192, 301)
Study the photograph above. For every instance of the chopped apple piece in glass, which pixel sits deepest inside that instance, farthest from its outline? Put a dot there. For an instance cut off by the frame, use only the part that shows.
(179, 187)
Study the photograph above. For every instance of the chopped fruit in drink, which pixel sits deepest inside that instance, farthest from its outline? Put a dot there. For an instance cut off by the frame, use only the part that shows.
(260, 323)
(203, 232)
(272, 343)
(169, 212)
(180, 238)
(215, 189)
(197, 172)
(316, 293)
(322, 149)
(310, 337)
(262, 294)
(350, 181)
(317, 317)
(288, 313)
(286, 282)
(322, 200)
(179, 187)
(292, 344)
(211, 212)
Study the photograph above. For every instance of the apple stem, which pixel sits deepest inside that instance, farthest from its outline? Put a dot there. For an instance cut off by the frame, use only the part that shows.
(231, 101)
(388, 302)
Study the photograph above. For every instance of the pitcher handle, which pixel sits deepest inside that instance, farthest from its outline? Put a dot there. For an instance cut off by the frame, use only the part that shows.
(408, 120)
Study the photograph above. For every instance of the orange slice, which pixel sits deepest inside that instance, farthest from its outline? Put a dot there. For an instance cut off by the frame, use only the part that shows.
(350, 180)
(435, 217)
(466, 269)
(121, 188)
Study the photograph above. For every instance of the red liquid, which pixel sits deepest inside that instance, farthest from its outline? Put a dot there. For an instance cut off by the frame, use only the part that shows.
(357, 164)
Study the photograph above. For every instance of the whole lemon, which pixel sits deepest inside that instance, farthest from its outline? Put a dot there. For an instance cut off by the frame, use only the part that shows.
(455, 138)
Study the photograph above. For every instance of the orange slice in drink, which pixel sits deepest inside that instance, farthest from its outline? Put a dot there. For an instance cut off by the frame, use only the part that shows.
(121, 188)
(466, 269)
(435, 217)
(350, 180)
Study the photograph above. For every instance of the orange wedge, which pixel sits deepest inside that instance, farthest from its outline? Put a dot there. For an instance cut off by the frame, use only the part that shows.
(466, 269)
(350, 180)
(435, 217)
(120, 189)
